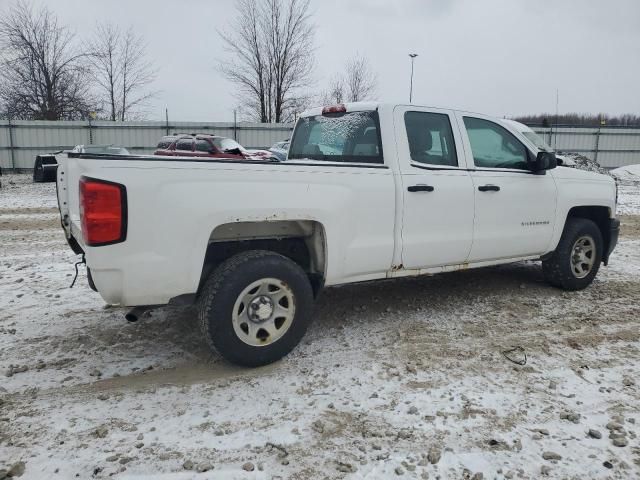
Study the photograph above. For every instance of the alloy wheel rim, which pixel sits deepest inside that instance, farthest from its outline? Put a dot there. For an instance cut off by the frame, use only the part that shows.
(263, 312)
(583, 256)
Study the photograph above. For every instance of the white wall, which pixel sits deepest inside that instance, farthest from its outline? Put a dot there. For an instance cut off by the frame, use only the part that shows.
(616, 147)
(31, 138)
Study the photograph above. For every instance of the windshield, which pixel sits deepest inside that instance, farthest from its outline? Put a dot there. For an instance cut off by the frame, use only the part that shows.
(537, 140)
(338, 137)
(224, 144)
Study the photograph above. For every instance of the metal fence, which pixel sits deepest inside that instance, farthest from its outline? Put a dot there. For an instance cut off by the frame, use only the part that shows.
(21, 141)
(610, 146)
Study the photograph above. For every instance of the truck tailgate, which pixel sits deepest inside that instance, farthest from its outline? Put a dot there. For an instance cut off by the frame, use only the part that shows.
(67, 178)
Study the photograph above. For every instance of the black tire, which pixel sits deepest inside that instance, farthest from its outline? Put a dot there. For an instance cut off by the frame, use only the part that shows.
(224, 287)
(558, 270)
(38, 173)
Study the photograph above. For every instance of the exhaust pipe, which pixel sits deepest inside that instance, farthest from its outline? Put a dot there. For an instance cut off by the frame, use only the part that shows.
(136, 313)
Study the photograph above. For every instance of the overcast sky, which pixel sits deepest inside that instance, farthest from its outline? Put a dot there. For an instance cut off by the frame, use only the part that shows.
(501, 57)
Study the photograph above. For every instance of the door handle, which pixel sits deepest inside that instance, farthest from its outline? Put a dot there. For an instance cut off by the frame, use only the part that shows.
(420, 188)
(489, 188)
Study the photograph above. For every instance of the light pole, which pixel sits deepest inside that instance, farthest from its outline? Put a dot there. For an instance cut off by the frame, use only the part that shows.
(413, 56)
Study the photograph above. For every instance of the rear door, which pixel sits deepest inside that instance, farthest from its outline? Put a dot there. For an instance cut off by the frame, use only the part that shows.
(514, 207)
(184, 147)
(203, 148)
(347, 175)
(437, 191)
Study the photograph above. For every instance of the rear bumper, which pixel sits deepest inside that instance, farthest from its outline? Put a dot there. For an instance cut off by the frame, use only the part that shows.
(140, 285)
(614, 232)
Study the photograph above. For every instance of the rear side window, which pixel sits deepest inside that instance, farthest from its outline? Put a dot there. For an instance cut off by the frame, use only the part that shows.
(493, 146)
(338, 137)
(184, 144)
(203, 146)
(430, 138)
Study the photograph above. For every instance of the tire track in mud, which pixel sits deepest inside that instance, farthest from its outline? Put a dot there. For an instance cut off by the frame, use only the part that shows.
(416, 340)
(630, 226)
(28, 211)
(28, 225)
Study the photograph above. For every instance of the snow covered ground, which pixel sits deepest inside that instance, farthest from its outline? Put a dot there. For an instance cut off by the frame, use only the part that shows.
(629, 188)
(400, 378)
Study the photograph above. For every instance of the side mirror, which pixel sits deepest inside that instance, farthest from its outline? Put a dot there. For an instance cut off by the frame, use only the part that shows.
(543, 161)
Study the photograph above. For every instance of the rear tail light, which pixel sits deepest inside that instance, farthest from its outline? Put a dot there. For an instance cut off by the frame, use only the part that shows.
(103, 212)
(340, 108)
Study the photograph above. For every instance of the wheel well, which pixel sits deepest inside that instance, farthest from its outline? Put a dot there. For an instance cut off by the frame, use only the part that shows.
(303, 241)
(599, 215)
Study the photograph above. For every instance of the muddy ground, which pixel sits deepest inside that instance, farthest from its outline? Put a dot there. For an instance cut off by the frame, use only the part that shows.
(397, 378)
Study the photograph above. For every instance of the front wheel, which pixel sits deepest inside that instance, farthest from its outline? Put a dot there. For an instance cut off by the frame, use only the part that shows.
(256, 307)
(576, 261)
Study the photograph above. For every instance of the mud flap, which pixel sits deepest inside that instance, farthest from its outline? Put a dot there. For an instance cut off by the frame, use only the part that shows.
(612, 240)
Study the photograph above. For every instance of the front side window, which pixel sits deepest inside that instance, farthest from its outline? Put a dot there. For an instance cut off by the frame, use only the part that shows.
(493, 146)
(537, 140)
(203, 145)
(184, 144)
(338, 137)
(430, 138)
(226, 144)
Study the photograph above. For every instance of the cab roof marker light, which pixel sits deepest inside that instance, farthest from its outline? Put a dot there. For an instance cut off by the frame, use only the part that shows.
(339, 108)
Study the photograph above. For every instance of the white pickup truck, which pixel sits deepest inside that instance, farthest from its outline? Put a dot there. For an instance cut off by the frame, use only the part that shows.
(368, 191)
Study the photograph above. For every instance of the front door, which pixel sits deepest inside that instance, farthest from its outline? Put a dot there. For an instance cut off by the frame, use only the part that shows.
(437, 191)
(514, 207)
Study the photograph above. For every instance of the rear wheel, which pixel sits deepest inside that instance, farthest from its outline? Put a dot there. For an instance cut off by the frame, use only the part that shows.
(256, 307)
(576, 261)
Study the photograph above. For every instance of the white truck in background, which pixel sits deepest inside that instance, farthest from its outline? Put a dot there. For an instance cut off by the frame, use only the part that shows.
(368, 191)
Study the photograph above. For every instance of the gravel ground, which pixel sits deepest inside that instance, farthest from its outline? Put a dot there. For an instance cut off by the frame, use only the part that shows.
(403, 378)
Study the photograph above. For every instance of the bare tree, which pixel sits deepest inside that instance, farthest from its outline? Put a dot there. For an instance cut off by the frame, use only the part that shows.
(105, 67)
(582, 119)
(271, 48)
(335, 93)
(42, 75)
(358, 82)
(137, 73)
(121, 71)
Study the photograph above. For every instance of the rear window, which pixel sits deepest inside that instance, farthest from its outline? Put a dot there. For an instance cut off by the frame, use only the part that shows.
(338, 137)
(165, 143)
